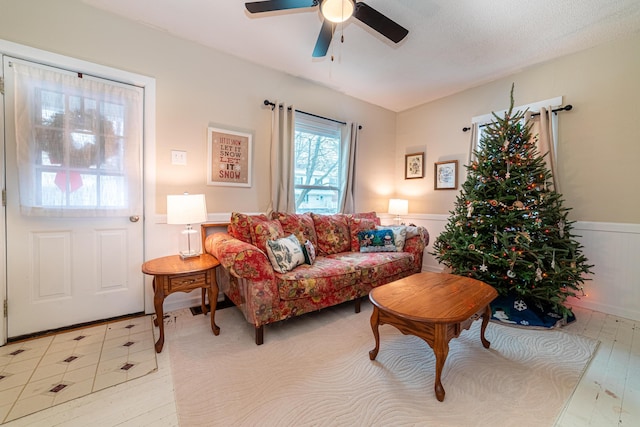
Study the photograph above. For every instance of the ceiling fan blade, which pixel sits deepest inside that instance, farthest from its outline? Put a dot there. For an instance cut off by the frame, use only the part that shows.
(271, 5)
(376, 20)
(324, 39)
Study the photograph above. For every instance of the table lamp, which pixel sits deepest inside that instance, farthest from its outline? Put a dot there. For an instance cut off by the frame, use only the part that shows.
(187, 209)
(398, 207)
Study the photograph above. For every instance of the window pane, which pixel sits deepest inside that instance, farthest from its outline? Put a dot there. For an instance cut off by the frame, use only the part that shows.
(317, 163)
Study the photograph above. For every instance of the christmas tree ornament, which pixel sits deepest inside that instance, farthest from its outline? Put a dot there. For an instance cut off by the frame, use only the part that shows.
(538, 274)
(484, 267)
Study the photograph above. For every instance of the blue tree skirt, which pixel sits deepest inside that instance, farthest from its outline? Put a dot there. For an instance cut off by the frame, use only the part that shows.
(512, 309)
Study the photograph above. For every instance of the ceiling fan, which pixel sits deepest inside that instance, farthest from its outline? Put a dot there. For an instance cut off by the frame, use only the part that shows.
(335, 12)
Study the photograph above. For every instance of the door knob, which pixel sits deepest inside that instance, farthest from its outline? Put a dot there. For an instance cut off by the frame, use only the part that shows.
(134, 218)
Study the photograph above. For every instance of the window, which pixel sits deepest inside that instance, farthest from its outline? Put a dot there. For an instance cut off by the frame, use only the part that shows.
(318, 174)
(78, 143)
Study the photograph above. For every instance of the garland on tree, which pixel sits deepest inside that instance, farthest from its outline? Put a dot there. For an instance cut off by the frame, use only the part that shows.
(509, 228)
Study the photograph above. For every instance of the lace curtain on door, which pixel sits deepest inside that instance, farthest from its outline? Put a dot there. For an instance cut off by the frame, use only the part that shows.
(79, 143)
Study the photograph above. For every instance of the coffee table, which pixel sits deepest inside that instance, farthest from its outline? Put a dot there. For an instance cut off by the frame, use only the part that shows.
(435, 307)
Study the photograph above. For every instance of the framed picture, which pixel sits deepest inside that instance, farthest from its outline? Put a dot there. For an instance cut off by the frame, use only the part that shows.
(446, 175)
(414, 166)
(229, 158)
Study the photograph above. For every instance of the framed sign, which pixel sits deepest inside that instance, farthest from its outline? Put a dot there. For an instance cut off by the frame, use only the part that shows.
(414, 166)
(446, 175)
(229, 158)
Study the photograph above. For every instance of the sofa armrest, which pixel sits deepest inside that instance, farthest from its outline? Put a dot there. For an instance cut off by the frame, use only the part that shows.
(416, 245)
(243, 260)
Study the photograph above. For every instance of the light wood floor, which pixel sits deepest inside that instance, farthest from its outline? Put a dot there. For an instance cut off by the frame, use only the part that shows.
(608, 394)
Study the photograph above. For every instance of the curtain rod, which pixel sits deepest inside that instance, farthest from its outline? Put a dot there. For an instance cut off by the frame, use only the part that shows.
(273, 105)
(568, 107)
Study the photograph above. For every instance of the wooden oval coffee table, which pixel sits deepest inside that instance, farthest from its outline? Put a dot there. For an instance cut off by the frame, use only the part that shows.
(433, 306)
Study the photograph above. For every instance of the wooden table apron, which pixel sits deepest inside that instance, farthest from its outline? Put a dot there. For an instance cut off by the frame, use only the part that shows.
(435, 307)
(174, 274)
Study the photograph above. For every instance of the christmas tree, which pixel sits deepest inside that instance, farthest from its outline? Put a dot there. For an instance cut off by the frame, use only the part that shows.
(509, 228)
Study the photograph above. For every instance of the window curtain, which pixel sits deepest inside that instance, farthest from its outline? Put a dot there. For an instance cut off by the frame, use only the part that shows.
(473, 142)
(350, 134)
(78, 143)
(547, 142)
(282, 154)
(545, 127)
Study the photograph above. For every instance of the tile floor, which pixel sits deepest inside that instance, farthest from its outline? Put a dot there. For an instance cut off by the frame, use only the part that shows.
(39, 373)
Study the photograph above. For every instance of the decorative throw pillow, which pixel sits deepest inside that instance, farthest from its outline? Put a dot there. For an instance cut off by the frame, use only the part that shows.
(378, 240)
(357, 225)
(299, 224)
(309, 252)
(240, 225)
(333, 233)
(285, 254)
(399, 235)
(263, 231)
(412, 231)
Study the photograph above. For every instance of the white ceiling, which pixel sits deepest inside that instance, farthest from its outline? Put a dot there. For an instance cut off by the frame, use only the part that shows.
(452, 44)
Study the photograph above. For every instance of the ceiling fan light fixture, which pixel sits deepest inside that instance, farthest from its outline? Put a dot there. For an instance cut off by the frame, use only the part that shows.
(337, 10)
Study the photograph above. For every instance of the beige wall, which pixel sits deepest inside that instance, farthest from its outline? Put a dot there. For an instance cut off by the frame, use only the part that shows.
(599, 144)
(197, 87)
(599, 140)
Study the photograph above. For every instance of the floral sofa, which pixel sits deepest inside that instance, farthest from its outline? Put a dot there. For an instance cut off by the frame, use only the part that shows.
(291, 264)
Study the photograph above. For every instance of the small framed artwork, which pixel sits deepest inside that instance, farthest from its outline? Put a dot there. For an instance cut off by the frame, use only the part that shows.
(414, 166)
(229, 158)
(446, 175)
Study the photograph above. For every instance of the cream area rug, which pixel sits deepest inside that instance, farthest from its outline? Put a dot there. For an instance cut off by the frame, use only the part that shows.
(315, 371)
(40, 373)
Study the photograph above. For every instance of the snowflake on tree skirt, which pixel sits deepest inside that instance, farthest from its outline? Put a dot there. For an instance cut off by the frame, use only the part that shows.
(508, 227)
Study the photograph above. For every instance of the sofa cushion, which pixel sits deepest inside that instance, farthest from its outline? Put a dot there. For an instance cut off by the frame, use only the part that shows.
(366, 215)
(285, 254)
(299, 224)
(263, 230)
(240, 225)
(332, 232)
(377, 240)
(314, 281)
(376, 266)
(357, 225)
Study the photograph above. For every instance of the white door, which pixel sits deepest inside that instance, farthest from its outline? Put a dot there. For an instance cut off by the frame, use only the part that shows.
(73, 198)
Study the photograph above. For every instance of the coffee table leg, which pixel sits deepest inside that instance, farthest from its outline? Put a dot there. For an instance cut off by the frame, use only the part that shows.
(485, 321)
(375, 316)
(441, 350)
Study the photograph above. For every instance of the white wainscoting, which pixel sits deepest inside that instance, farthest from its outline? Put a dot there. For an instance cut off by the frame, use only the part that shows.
(612, 248)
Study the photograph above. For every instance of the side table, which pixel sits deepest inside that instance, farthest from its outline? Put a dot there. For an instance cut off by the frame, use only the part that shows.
(174, 274)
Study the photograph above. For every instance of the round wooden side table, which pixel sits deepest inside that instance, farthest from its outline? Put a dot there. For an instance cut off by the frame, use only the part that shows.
(174, 274)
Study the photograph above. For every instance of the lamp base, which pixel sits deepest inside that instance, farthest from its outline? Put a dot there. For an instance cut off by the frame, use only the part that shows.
(189, 254)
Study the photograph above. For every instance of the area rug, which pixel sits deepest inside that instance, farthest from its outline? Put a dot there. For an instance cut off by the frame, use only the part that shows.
(315, 371)
(43, 372)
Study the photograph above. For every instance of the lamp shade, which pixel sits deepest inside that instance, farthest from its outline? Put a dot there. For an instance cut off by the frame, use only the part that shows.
(337, 10)
(186, 209)
(398, 206)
